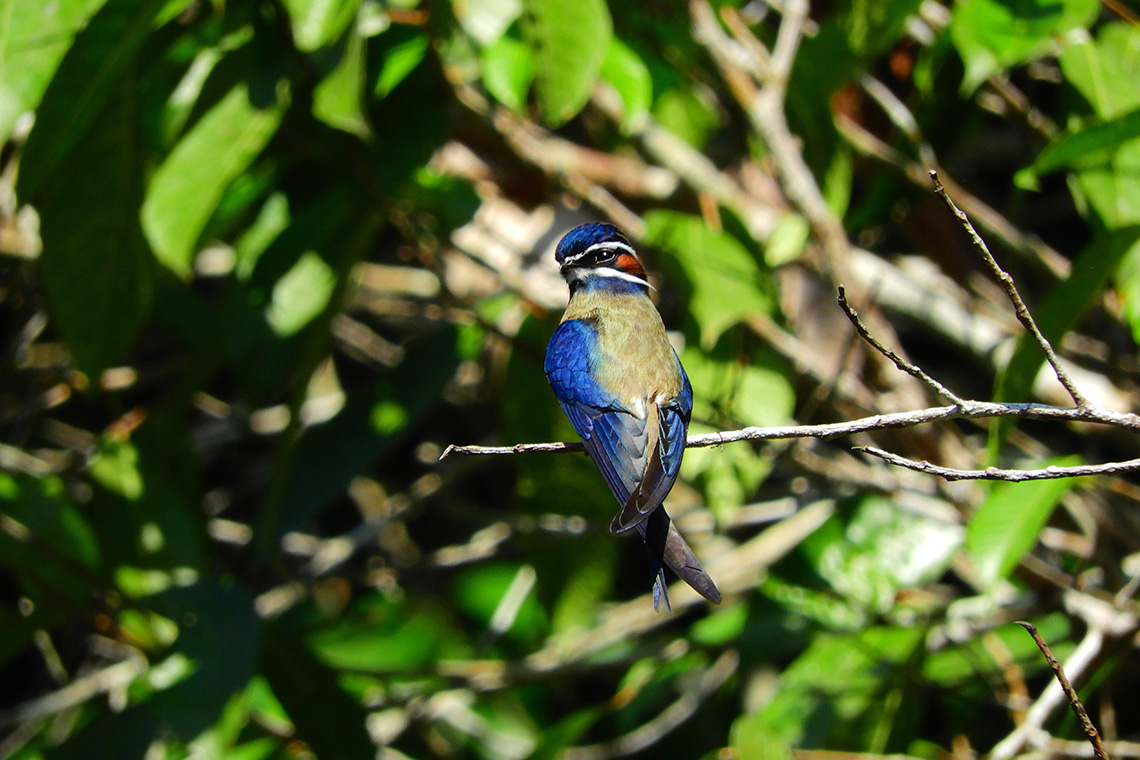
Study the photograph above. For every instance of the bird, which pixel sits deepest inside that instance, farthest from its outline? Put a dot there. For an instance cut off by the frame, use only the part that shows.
(622, 385)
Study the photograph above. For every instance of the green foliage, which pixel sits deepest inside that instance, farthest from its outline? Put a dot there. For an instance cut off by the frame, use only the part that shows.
(260, 262)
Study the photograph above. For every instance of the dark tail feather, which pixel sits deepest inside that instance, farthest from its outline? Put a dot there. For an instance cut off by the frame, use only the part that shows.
(666, 546)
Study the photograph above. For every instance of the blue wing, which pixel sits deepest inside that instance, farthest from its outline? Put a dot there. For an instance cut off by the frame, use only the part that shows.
(614, 438)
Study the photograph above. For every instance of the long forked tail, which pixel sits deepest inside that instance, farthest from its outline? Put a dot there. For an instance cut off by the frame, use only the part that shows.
(666, 547)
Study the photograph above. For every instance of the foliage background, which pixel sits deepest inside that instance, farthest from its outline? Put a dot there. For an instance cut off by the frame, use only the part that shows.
(262, 261)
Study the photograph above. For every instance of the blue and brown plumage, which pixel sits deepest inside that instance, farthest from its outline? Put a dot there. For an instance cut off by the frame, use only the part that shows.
(623, 388)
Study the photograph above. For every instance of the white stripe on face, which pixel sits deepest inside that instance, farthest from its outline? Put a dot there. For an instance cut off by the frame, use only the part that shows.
(617, 274)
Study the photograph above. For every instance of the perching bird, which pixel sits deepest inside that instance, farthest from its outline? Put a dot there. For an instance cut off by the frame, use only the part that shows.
(622, 386)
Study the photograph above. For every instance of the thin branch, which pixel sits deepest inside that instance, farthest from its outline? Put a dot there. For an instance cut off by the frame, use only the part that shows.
(996, 473)
(899, 361)
(1007, 283)
(965, 410)
(1070, 693)
(1031, 730)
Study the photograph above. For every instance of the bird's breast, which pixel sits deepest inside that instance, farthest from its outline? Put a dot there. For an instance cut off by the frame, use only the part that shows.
(634, 359)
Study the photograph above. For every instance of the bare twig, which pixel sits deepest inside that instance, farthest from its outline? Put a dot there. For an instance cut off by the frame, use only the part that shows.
(1070, 693)
(996, 473)
(900, 362)
(1031, 730)
(1007, 283)
(965, 410)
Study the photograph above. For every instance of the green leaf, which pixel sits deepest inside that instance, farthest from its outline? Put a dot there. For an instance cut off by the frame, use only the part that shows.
(330, 721)
(96, 268)
(187, 187)
(569, 43)
(300, 295)
(882, 550)
(36, 36)
(219, 634)
(629, 76)
(1105, 71)
(1090, 142)
(508, 70)
(338, 99)
(91, 71)
(833, 694)
(400, 60)
(727, 284)
(994, 34)
(319, 24)
(1005, 526)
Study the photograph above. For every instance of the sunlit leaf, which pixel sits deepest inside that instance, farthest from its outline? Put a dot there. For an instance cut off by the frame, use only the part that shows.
(508, 70)
(187, 187)
(630, 77)
(318, 24)
(569, 42)
(726, 282)
(338, 99)
(1006, 525)
(991, 34)
(36, 38)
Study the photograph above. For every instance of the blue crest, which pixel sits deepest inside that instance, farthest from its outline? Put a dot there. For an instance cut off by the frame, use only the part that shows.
(585, 235)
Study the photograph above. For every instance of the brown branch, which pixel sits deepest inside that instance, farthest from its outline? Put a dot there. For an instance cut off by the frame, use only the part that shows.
(965, 410)
(1070, 693)
(899, 361)
(1014, 296)
(997, 473)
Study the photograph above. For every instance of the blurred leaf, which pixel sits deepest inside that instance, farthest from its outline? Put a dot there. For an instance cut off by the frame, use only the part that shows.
(565, 733)
(508, 70)
(787, 240)
(993, 34)
(873, 27)
(726, 283)
(330, 455)
(384, 636)
(338, 99)
(569, 42)
(122, 735)
(319, 24)
(400, 59)
(36, 38)
(480, 590)
(300, 295)
(186, 188)
(1090, 143)
(686, 115)
(488, 20)
(116, 467)
(968, 661)
(219, 633)
(1006, 525)
(51, 548)
(751, 739)
(96, 268)
(1104, 71)
(833, 694)
(883, 549)
(630, 77)
(327, 719)
(721, 627)
(88, 77)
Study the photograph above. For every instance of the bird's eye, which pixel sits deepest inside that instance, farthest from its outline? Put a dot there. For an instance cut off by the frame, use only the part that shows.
(605, 257)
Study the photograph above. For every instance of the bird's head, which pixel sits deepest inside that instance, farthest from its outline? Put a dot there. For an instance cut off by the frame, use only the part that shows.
(598, 255)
